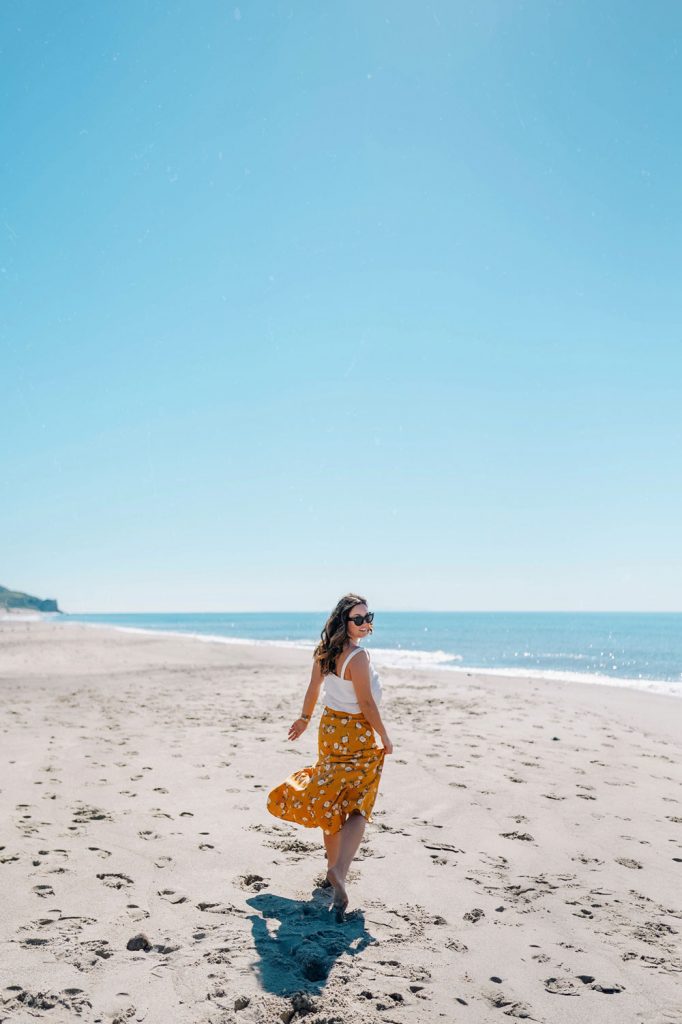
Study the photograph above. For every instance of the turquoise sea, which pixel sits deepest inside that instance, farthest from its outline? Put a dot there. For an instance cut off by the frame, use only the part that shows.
(631, 648)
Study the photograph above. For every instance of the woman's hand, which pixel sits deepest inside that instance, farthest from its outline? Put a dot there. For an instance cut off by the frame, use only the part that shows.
(387, 745)
(298, 727)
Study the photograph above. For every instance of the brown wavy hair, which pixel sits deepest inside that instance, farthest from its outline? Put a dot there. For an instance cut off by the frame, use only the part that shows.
(335, 633)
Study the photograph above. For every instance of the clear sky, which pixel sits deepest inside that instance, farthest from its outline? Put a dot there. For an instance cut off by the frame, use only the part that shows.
(304, 297)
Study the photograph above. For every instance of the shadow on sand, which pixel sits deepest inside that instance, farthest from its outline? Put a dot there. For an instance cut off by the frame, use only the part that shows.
(298, 955)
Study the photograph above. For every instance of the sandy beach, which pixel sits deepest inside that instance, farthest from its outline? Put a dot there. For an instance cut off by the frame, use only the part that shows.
(525, 860)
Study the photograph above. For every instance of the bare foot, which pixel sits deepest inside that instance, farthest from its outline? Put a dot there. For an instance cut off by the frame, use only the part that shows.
(340, 895)
(340, 911)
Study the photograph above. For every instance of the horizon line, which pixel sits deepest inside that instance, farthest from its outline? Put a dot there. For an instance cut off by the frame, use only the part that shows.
(394, 611)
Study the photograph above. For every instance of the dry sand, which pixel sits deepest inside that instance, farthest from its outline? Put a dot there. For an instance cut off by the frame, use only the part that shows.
(525, 860)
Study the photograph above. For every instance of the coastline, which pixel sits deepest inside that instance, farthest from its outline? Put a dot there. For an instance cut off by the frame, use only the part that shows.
(527, 845)
(418, 660)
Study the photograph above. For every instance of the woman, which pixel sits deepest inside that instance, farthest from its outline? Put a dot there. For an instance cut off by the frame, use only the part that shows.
(337, 793)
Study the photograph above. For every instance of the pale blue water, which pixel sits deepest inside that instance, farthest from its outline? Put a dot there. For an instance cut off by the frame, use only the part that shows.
(619, 646)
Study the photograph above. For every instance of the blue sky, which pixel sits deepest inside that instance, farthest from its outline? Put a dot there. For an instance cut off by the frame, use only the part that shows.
(300, 298)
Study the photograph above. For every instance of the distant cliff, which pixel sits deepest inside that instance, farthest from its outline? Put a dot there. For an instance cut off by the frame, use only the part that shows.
(14, 600)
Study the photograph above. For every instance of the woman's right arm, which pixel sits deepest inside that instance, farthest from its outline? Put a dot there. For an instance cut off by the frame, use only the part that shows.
(309, 702)
(360, 678)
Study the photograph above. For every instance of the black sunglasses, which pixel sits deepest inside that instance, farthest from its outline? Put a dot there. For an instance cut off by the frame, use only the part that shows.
(359, 619)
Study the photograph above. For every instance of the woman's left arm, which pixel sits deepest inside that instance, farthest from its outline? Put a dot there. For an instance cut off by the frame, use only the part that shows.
(309, 702)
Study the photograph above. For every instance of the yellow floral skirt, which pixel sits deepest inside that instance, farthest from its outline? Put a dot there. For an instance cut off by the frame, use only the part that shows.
(344, 779)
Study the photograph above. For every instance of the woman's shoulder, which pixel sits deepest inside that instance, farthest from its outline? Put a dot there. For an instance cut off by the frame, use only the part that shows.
(345, 661)
(360, 659)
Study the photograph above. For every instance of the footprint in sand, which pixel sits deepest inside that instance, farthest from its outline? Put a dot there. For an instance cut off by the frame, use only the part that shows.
(100, 853)
(525, 836)
(115, 881)
(73, 999)
(633, 839)
(94, 950)
(220, 908)
(561, 987)
(295, 846)
(136, 913)
(396, 998)
(653, 932)
(270, 830)
(253, 883)
(627, 862)
(218, 956)
(582, 858)
(498, 862)
(120, 1008)
(84, 813)
(43, 890)
(442, 847)
(596, 986)
(511, 1007)
(49, 857)
(172, 896)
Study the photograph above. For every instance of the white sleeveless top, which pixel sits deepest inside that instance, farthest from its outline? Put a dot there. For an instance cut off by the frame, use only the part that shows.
(339, 693)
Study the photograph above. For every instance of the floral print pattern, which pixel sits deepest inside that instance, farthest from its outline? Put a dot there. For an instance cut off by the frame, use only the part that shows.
(344, 779)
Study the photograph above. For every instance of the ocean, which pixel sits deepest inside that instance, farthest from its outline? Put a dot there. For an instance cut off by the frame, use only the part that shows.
(643, 650)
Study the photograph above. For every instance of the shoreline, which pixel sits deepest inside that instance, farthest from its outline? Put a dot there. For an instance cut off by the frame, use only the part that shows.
(400, 658)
